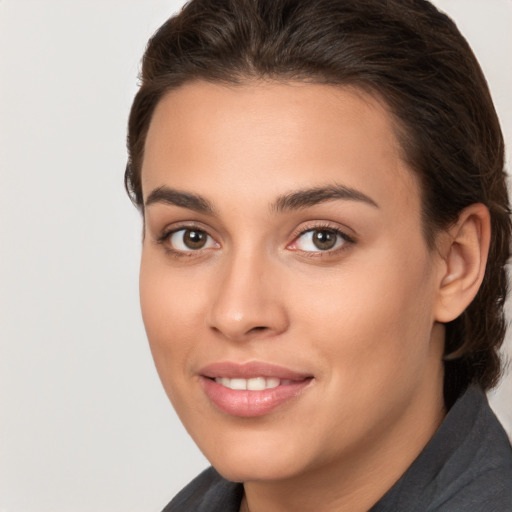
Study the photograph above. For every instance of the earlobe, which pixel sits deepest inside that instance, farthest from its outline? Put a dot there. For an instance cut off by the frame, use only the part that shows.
(464, 250)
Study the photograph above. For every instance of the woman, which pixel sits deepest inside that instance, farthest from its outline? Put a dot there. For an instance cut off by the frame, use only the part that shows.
(326, 225)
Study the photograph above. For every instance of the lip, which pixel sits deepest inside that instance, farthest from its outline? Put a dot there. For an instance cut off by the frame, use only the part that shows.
(246, 403)
(250, 370)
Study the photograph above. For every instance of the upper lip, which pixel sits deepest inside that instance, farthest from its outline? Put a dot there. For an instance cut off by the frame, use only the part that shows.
(250, 370)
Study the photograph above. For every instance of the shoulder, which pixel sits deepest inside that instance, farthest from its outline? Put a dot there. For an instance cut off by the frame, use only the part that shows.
(478, 475)
(488, 491)
(207, 492)
(467, 465)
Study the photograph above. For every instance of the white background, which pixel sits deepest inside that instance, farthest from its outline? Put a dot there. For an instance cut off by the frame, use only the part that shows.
(84, 424)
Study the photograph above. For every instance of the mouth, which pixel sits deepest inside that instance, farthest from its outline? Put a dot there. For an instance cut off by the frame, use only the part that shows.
(253, 389)
(252, 384)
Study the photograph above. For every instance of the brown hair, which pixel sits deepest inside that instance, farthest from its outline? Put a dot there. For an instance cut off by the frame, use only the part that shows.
(405, 51)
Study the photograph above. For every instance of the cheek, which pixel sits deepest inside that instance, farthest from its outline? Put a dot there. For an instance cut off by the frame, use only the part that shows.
(172, 314)
(374, 319)
(173, 319)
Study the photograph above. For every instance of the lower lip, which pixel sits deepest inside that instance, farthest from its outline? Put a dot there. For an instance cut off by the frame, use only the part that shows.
(250, 404)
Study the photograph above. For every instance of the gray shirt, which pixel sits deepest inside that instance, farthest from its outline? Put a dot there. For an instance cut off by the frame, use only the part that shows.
(466, 466)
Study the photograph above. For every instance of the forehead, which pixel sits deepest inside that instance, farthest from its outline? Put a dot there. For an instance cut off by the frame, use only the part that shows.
(274, 136)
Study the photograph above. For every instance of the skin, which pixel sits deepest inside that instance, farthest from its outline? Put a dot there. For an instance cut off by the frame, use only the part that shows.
(362, 318)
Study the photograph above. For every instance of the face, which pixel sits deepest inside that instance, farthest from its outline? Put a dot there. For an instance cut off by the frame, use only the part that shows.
(287, 290)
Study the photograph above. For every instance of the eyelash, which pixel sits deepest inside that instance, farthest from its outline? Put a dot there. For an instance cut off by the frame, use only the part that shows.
(166, 235)
(347, 240)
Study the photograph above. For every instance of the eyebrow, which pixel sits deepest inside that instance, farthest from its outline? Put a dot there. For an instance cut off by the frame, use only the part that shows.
(312, 196)
(174, 197)
(296, 200)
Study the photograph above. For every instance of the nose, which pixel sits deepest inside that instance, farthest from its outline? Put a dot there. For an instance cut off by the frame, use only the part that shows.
(247, 302)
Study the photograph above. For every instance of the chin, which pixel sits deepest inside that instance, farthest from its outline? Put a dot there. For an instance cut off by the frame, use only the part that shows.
(268, 470)
(256, 458)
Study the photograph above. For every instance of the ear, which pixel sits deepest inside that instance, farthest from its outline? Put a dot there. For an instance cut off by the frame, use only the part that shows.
(463, 249)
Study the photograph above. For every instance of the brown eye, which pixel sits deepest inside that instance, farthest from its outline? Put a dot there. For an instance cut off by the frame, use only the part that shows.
(194, 239)
(320, 240)
(187, 240)
(324, 239)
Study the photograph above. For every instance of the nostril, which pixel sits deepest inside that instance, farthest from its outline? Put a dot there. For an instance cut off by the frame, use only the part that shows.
(258, 328)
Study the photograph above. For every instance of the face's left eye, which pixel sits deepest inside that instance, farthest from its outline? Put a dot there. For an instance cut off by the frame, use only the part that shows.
(319, 240)
(188, 239)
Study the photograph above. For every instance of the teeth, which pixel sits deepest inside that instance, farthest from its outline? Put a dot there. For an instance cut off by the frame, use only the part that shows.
(273, 382)
(238, 384)
(254, 384)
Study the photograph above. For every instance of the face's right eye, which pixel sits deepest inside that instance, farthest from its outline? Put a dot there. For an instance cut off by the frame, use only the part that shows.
(190, 239)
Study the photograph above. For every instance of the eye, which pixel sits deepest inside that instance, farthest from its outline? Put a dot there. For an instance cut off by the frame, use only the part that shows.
(187, 240)
(315, 240)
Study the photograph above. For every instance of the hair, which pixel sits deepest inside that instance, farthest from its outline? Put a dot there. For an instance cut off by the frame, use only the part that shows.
(403, 51)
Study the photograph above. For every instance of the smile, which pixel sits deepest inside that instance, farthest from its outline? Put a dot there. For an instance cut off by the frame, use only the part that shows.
(253, 389)
(253, 384)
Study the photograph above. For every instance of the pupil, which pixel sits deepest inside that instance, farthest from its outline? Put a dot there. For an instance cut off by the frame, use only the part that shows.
(194, 239)
(324, 240)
